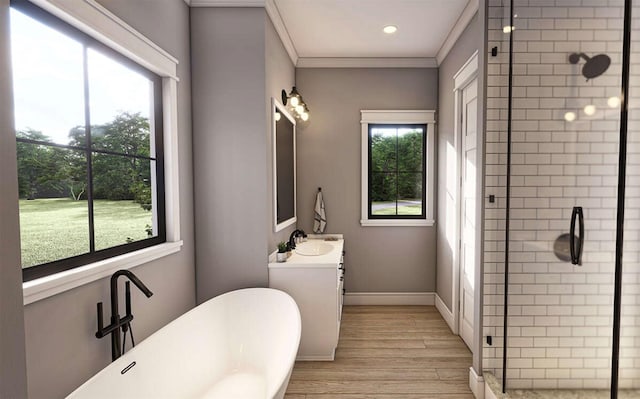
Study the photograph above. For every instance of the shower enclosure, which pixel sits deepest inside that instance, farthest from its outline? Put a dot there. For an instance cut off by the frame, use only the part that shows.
(562, 238)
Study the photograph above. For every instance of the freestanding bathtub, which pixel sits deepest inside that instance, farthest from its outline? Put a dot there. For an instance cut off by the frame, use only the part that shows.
(241, 344)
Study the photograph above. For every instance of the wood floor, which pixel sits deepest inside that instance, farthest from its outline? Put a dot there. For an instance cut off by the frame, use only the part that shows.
(388, 352)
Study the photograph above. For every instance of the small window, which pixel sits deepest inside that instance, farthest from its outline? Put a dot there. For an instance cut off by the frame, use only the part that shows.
(89, 138)
(396, 171)
(397, 168)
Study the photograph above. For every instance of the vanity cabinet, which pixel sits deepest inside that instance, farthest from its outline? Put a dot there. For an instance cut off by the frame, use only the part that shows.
(316, 283)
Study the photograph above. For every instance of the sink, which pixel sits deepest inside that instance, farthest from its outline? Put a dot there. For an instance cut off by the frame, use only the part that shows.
(313, 248)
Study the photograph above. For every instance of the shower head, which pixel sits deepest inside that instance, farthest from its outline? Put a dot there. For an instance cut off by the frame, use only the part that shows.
(594, 66)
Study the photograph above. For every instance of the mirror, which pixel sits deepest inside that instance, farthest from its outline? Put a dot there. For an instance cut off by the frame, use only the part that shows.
(284, 166)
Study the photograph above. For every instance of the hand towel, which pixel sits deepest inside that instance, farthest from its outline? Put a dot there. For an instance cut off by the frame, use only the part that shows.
(319, 217)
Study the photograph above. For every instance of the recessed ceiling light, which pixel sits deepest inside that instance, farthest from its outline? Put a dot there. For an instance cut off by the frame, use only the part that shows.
(390, 29)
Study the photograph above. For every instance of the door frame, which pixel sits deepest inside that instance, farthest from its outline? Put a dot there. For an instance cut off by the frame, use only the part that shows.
(465, 75)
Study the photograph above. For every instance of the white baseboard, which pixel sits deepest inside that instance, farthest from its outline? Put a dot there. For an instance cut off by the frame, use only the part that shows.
(488, 393)
(476, 384)
(446, 314)
(389, 298)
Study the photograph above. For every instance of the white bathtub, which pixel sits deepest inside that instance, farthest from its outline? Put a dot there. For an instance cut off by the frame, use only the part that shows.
(238, 345)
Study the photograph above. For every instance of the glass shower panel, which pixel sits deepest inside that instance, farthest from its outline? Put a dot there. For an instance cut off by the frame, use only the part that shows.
(495, 201)
(629, 369)
(566, 66)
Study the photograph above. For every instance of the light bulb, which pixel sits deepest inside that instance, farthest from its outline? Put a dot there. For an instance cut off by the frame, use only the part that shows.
(590, 109)
(508, 29)
(570, 116)
(304, 116)
(295, 101)
(299, 108)
(278, 116)
(613, 102)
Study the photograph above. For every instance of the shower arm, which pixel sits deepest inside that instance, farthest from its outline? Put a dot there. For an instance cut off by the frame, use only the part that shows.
(575, 57)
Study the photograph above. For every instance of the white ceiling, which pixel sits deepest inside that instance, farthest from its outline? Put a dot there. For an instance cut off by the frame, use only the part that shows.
(353, 28)
(348, 33)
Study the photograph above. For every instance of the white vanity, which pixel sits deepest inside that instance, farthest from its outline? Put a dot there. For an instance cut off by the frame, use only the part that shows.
(314, 276)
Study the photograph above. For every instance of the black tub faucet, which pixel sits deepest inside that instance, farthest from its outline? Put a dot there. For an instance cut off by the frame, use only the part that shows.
(116, 321)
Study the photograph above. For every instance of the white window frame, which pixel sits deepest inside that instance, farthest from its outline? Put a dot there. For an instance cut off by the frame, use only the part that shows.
(99, 23)
(425, 117)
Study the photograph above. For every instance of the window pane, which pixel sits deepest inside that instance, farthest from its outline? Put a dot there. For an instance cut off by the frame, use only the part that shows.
(123, 200)
(410, 193)
(47, 80)
(53, 203)
(121, 106)
(383, 194)
(383, 149)
(410, 148)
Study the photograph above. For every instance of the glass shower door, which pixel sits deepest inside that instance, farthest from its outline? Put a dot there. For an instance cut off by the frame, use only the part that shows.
(564, 130)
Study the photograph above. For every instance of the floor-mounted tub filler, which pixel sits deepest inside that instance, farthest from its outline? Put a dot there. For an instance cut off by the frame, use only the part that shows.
(241, 344)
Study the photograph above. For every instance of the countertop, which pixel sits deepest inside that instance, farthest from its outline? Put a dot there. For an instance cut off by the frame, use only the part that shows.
(330, 259)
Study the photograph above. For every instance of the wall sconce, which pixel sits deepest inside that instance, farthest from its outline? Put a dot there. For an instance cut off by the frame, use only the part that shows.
(296, 104)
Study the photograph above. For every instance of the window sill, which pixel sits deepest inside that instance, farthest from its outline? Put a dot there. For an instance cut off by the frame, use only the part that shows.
(397, 222)
(45, 287)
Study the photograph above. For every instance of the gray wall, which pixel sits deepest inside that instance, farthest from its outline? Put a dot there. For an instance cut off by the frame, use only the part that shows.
(473, 38)
(464, 48)
(379, 259)
(280, 74)
(62, 351)
(13, 373)
(229, 148)
(239, 63)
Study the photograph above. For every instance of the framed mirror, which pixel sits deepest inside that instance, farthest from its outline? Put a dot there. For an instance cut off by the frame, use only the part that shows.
(284, 166)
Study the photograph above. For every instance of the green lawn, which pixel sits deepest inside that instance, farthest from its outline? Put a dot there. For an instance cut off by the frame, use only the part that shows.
(405, 207)
(402, 210)
(52, 229)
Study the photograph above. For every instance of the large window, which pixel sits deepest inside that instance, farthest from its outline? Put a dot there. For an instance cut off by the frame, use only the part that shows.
(89, 146)
(397, 171)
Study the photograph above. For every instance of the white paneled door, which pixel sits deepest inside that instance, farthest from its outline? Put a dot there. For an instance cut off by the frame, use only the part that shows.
(469, 111)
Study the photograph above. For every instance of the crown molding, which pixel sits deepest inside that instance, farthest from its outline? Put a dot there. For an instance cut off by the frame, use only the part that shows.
(278, 23)
(365, 62)
(465, 17)
(226, 3)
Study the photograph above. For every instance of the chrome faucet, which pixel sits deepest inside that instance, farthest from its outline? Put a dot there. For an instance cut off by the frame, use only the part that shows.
(116, 321)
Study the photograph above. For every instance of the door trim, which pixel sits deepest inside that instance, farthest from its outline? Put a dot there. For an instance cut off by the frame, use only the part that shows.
(462, 78)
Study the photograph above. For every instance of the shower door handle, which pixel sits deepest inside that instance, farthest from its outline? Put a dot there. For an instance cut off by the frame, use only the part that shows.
(576, 248)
